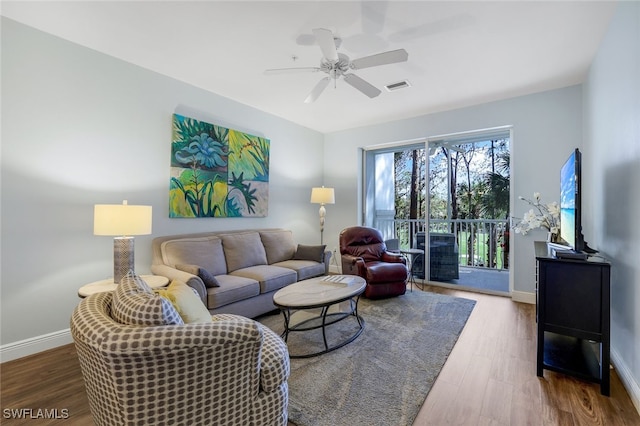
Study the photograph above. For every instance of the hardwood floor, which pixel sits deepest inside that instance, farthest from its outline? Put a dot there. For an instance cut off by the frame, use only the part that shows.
(489, 379)
(49, 380)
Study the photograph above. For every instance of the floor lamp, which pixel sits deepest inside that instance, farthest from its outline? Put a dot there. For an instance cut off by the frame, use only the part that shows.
(122, 221)
(322, 196)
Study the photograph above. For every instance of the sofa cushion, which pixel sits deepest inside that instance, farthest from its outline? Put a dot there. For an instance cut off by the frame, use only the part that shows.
(134, 303)
(304, 268)
(243, 250)
(186, 301)
(315, 253)
(278, 245)
(232, 289)
(206, 277)
(270, 277)
(205, 252)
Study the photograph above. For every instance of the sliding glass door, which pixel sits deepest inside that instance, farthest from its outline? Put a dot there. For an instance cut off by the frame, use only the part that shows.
(448, 196)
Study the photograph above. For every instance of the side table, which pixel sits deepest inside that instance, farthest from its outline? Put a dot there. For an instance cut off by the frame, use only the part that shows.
(410, 254)
(154, 281)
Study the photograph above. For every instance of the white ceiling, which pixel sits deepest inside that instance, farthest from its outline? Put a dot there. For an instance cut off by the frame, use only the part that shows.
(460, 53)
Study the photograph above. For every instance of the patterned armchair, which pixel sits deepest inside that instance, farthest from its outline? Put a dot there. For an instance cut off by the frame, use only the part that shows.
(232, 371)
(364, 253)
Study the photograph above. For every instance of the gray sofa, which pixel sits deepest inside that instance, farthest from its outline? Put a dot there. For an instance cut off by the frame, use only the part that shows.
(237, 272)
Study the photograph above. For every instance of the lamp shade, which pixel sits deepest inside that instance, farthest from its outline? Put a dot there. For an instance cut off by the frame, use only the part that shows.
(121, 219)
(322, 195)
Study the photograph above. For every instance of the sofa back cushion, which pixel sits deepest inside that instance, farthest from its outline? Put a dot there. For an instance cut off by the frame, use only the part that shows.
(205, 252)
(278, 245)
(361, 241)
(243, 250)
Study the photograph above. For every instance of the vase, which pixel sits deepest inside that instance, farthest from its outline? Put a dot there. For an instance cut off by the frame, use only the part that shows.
(553, 237)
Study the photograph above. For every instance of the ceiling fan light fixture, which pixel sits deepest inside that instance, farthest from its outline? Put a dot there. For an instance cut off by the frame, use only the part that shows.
(397, 86)
(338, 65)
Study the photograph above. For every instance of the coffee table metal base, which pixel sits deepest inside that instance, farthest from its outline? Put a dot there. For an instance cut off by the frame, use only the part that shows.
(324, 319)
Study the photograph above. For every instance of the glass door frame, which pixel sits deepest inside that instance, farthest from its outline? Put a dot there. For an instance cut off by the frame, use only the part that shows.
(461, 138)
(366, 186)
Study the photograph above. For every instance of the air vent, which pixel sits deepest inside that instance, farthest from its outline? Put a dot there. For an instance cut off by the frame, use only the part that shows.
(397, 86)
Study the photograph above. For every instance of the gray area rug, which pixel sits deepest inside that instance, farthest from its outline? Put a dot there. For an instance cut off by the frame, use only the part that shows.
(382, 377)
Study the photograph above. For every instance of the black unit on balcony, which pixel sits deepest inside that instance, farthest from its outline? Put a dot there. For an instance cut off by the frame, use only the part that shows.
(443, 252)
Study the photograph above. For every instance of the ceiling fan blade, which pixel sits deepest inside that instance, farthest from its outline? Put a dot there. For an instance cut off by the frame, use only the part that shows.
(442, 143)
(317, 91)
(366, 88)
(384, 58)
(272, 71)
(327, 44)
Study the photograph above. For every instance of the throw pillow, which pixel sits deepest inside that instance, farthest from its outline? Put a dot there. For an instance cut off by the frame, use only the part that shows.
(186, 302)
(133, 283)
(315, 253)
(134, 303)
(207, 278)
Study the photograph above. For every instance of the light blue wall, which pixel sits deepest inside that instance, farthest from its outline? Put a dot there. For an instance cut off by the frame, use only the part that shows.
(546, 128)
(612, 181)
(81, 128)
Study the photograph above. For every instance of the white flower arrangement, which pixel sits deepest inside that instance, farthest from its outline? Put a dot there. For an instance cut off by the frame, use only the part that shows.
(545, 216)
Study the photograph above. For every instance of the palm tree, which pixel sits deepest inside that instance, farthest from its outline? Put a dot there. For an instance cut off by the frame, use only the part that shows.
(495, 200)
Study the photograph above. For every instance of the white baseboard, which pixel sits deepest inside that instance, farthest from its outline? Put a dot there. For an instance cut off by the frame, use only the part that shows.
(627, 379)
(33, 345)
(523, 297)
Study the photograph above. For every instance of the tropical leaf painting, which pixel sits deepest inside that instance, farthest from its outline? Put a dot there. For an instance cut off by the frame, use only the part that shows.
(217, 172)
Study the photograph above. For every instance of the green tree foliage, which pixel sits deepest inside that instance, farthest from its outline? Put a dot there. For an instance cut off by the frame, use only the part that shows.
(495, 201)
(410, 184)
(466, 181)
(479, 181)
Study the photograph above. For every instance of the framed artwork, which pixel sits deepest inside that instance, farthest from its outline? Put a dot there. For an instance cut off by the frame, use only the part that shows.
(217, 172)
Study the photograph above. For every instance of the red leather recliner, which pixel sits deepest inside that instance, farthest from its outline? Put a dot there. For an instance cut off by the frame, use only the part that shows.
(364, 253)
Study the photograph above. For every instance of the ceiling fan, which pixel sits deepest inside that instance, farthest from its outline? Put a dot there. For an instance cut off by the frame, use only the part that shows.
(338, 65)
(441, 143)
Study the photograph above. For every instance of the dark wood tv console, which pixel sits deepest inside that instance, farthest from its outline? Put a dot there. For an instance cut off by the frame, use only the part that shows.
(573, 315)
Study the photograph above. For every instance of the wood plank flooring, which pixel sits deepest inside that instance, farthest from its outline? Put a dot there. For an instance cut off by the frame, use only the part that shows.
(489, 379)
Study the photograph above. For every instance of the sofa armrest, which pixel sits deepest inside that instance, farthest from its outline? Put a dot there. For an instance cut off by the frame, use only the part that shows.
(275, 367)
(352, 265)
(191, 280)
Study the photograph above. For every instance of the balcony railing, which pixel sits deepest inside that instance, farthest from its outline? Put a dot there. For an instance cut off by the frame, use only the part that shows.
(481, 243)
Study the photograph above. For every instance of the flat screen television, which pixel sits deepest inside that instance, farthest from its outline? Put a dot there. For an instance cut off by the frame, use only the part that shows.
(571, 202)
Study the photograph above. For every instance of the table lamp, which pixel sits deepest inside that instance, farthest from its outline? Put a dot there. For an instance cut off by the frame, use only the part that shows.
(122, 221)
(322, 196)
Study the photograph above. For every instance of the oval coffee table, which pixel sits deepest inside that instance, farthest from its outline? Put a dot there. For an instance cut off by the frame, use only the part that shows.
(300, 303)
